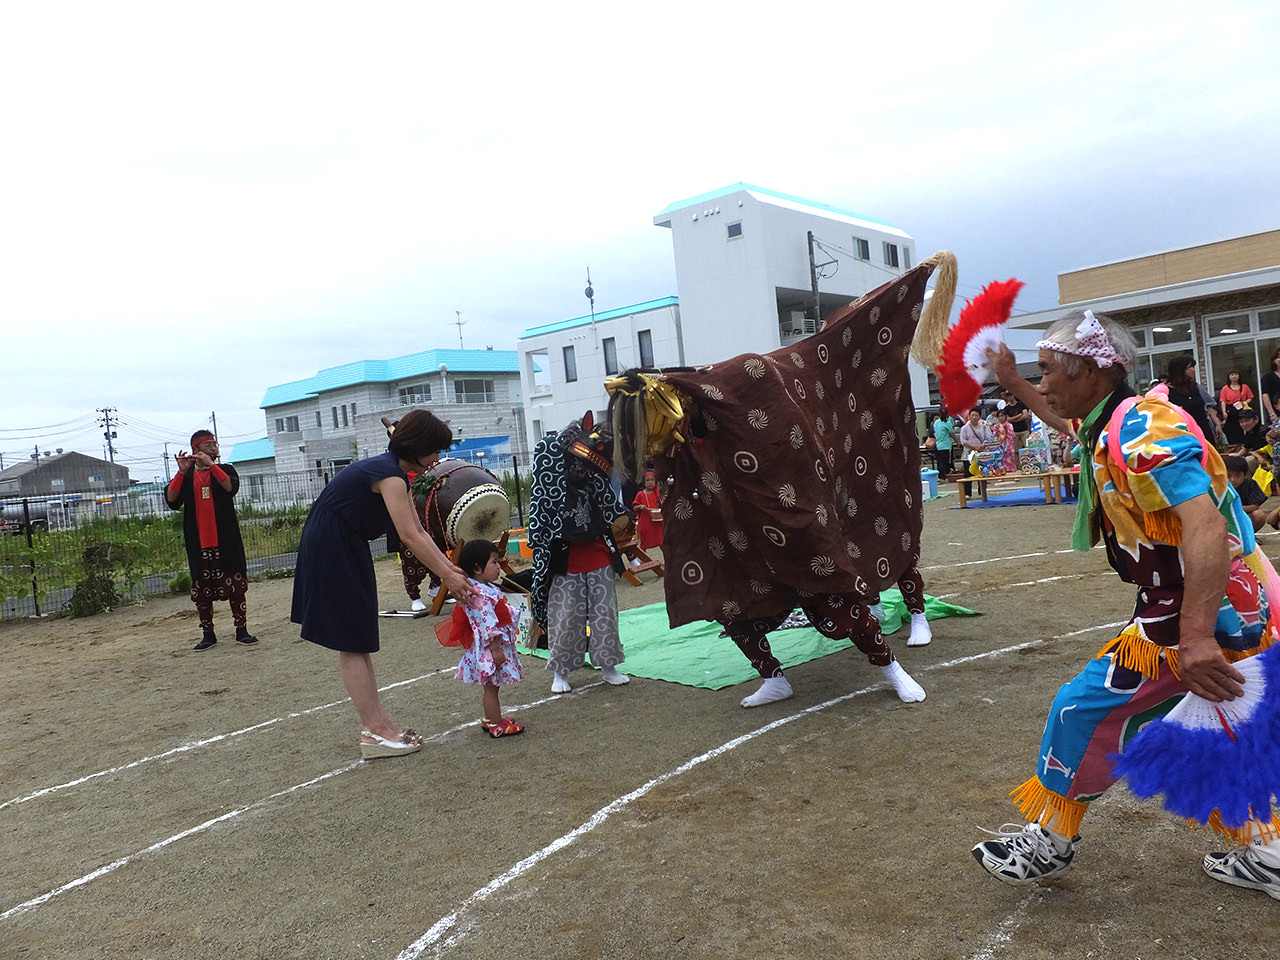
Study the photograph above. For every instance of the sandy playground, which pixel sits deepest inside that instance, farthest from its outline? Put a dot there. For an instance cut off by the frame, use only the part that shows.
(159, 803)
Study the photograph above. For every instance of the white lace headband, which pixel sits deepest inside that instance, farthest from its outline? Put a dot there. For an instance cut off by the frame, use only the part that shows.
(1091, 341)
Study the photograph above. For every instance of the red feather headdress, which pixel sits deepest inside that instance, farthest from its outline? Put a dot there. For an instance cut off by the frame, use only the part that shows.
(964, 353)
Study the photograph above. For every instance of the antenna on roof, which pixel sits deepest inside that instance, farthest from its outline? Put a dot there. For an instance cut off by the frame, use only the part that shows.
(459, 322)
(590, 294)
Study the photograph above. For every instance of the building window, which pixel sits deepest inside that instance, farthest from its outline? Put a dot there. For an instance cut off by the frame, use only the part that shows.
(906, 257)
(290, 424)
(1226, 326)
(890, 254)
(319, 423)
(610, 355)
(335, 418)
(734, 230)
(570, 366)
(645, 338)
(474, 391)
(353, 411)
(862, 247)
(279, 425)
(416, 393)
(345, 422)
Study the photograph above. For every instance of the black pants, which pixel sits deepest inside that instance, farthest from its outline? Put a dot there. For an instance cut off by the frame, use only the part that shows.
(945, 465)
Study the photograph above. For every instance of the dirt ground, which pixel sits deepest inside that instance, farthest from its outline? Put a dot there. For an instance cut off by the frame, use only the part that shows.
(162, 803)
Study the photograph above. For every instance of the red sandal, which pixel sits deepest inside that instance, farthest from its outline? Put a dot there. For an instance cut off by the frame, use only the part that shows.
(503, 728)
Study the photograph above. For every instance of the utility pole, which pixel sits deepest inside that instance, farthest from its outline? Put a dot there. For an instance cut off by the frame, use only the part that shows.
(590, 294)
(459, 322)
(107, 432)
(813, 280)
(214, 417)
(166, 463)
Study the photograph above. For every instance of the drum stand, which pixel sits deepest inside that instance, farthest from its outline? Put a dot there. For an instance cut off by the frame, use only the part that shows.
(631, 552)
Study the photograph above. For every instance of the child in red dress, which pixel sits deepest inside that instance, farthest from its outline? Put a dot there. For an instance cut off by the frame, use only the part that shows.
(648, 508)
(487, 631)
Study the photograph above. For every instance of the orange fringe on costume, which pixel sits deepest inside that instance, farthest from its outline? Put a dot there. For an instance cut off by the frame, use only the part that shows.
(1241, 835)
(1131, 649)
(1134, 651)
(1163, 526)
(1055, 812)
(1049, 809)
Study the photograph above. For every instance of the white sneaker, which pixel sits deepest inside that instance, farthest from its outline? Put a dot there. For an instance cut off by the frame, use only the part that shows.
(1023, 853)
(611, 675)
(1256, 867)
(432, 591)
(418, 605)
(560, 684)
(921, 635)
(771, 691)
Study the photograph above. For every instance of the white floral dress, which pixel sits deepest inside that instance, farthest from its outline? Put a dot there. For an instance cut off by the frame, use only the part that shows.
(477, 664)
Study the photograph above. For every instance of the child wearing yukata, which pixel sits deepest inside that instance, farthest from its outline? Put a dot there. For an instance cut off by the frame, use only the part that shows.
(1005, 434)
(647, 506)
(487, 629)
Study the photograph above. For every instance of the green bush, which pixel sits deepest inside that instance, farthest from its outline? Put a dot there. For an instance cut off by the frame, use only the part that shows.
(95, 593)
(181, 583)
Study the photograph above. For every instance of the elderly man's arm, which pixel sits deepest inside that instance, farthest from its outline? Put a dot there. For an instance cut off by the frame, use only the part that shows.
(1004, 366)
(1205, 565)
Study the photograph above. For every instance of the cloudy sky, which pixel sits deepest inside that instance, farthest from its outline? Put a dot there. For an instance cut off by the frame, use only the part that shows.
(198, 201)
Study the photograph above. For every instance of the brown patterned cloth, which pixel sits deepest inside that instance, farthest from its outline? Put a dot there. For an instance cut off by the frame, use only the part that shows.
(802, 477)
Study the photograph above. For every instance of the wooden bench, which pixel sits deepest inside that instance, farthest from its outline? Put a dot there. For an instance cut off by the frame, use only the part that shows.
(1055, 484)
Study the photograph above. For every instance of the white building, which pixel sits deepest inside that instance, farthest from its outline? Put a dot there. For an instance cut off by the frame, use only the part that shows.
(743, 266)
(321, 423)
(563, 365)
(746, 283)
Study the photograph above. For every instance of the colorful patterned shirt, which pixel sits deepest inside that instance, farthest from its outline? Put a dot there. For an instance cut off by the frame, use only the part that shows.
(1165, 465)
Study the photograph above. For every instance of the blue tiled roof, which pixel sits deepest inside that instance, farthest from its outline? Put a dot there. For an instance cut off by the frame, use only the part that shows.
(604, 315)
(261, 449)
(397, 368)
(765, 192)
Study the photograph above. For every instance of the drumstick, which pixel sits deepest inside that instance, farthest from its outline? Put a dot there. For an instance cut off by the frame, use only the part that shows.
(507, 580)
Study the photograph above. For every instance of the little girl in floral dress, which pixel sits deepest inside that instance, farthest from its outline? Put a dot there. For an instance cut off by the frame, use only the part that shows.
(1004, 432)
(488, 631)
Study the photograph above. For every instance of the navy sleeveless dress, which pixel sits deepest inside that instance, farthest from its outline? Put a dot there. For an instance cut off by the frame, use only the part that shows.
(335, 593)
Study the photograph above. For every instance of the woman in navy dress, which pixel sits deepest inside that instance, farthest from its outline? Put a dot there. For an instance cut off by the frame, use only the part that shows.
(335, 593)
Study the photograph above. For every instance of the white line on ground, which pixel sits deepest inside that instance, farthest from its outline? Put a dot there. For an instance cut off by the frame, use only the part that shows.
(434, 936)
(972, 563)
(199, 828)
(1004, 931)
(446, 923)
(196, 744)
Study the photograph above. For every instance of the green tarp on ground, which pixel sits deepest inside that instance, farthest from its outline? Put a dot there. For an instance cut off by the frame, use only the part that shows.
(696, 655)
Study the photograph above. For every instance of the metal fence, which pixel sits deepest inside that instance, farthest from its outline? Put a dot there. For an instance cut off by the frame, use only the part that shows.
(52, 546)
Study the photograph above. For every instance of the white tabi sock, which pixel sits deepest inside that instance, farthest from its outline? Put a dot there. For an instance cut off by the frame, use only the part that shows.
(908, 690)
(921, 635)
(772, 690)
(560, 684)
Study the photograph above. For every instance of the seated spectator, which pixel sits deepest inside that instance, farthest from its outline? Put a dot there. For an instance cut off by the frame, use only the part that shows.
(1251, 496)
(1252, 436)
